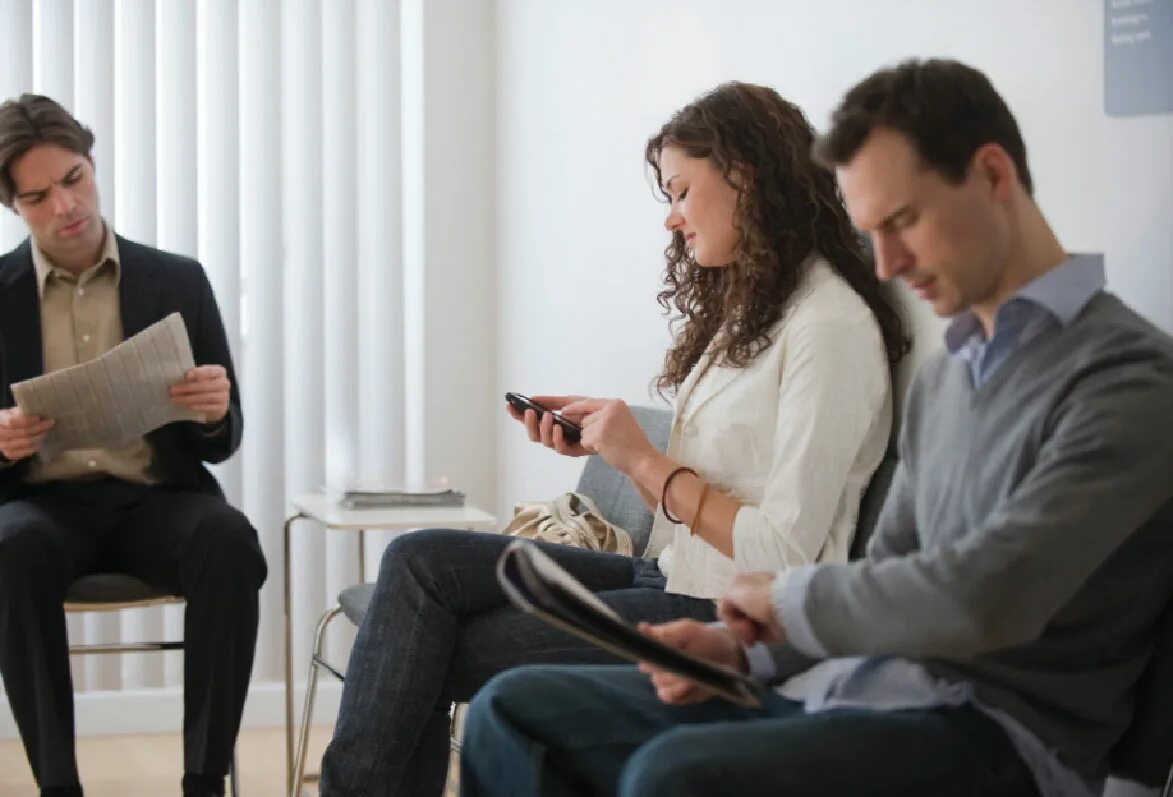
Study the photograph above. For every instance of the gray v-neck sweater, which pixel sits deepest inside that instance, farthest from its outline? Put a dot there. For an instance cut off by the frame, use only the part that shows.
(1026, 546)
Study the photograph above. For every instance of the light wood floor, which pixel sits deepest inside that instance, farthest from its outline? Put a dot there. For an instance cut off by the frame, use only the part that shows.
(151, 765)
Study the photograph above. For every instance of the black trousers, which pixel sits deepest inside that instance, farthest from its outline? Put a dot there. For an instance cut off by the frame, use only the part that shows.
(191, 544)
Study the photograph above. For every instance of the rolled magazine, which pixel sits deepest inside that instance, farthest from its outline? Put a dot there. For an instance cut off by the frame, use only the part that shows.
(536, 584)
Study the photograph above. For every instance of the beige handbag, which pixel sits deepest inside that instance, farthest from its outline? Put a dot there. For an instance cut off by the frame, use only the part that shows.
(570, 519)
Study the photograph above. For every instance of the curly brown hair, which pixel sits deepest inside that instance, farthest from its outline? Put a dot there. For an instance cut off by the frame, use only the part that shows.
(787, 207)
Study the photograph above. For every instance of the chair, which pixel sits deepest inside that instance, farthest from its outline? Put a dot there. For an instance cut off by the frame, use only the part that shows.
(106, 592)
(616, 500)
(871, 503)
(1145, 753)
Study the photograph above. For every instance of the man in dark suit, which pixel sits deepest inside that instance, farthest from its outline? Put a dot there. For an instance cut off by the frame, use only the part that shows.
(70, 292)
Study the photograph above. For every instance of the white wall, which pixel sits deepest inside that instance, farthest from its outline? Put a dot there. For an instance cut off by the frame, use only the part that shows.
(449, 204)
(581, 85)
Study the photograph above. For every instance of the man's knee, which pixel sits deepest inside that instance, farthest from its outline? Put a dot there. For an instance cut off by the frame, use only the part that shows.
(225, 544)
(677, 762)
(25, 542)
(498, 698)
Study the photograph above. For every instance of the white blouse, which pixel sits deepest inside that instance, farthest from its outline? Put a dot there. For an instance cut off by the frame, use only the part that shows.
(794, 437)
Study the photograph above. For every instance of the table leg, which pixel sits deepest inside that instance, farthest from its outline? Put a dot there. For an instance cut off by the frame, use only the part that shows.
(289, 652)
(362, 556)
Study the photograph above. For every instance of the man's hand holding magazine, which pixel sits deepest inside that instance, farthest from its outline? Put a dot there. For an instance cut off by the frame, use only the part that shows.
(709, 642)
(748, 617)
(708, 661)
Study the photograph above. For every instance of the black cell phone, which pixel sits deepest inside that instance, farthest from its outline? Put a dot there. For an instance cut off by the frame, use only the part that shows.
(571, 431)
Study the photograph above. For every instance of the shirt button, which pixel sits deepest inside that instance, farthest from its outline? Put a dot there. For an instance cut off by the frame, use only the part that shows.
(81, 291)
(85, 338)
(93, 463)
(690, 430)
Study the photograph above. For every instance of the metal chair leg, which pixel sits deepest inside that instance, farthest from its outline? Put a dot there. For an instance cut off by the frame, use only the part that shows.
(454, 726)
(311, 689)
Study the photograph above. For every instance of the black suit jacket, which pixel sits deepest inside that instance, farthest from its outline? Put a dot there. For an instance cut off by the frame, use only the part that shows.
(153, 285)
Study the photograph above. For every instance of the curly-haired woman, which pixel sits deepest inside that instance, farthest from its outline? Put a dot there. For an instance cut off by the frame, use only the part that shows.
(780, 370)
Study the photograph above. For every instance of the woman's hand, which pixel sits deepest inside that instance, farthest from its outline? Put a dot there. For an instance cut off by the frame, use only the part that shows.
(611, 431)
(544, 430)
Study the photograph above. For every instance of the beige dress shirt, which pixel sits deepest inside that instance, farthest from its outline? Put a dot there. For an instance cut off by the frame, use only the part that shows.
(81, 318)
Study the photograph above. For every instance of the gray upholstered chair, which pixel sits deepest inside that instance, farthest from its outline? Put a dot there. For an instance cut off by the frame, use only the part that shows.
(108, 592)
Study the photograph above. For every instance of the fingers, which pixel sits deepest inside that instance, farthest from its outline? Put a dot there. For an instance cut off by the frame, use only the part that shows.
(14, 418)
(21, 435)
(582, 408)
(544, 430)
(673, 689)
(748, 630)
(677, 633)
(214, 385)
(555, 402)
(532, 428)
(204, 372)
(206, 390)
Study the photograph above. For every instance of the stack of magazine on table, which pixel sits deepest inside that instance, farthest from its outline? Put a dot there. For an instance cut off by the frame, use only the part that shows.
(385, 497)
(536, 584)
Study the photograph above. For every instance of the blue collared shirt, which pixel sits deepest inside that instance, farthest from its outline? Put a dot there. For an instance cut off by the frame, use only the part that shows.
(1054, 298)
(882, 683)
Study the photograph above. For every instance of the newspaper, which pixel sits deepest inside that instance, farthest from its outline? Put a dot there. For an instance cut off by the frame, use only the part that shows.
(116, 398)
(536, 584)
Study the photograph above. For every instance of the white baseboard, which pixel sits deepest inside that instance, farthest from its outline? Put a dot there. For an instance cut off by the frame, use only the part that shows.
(161, 710)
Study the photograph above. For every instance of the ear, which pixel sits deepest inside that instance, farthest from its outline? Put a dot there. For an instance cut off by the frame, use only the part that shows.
(992, 164)
(740, 175)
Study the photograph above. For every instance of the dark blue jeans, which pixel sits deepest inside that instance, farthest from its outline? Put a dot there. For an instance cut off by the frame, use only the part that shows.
(439, 627)
(590, 730)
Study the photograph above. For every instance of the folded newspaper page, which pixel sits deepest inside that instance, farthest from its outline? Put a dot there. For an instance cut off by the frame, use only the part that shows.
(536, 584)
(116, 398)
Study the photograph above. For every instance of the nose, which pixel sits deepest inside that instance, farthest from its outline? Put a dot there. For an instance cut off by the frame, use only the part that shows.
(675, 219)
(63, 202)
(892, 256)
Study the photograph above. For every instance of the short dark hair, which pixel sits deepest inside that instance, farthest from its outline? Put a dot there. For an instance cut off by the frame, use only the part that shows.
(947, 110)
(29, 121)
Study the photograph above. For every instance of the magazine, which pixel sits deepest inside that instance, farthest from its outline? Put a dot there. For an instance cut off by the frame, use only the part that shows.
(377, 497)
(536, 584)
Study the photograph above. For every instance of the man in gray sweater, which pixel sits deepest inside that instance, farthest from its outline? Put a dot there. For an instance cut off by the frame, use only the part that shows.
(992, 640)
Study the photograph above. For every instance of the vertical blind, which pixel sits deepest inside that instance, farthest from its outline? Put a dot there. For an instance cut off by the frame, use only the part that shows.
(261, 137)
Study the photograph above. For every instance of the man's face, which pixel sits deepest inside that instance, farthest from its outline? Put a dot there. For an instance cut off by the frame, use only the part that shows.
(57, 197)
(948, 241)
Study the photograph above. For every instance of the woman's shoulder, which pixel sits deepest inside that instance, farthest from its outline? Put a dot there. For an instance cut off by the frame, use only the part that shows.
(825, 297)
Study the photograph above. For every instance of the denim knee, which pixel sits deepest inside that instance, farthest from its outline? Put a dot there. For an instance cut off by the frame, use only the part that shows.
(418, 547)
(502, 694)
(673, 762)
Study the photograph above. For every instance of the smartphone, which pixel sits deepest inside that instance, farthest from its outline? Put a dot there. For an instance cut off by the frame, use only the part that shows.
(571, 431)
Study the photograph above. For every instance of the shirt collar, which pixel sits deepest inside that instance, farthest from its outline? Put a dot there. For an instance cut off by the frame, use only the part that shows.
(44, 267)
(1062, 291)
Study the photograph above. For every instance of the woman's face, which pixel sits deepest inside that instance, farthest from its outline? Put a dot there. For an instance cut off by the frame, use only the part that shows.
(701, 206)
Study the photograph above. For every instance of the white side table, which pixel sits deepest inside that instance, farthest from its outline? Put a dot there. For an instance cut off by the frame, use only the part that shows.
(319, 507)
